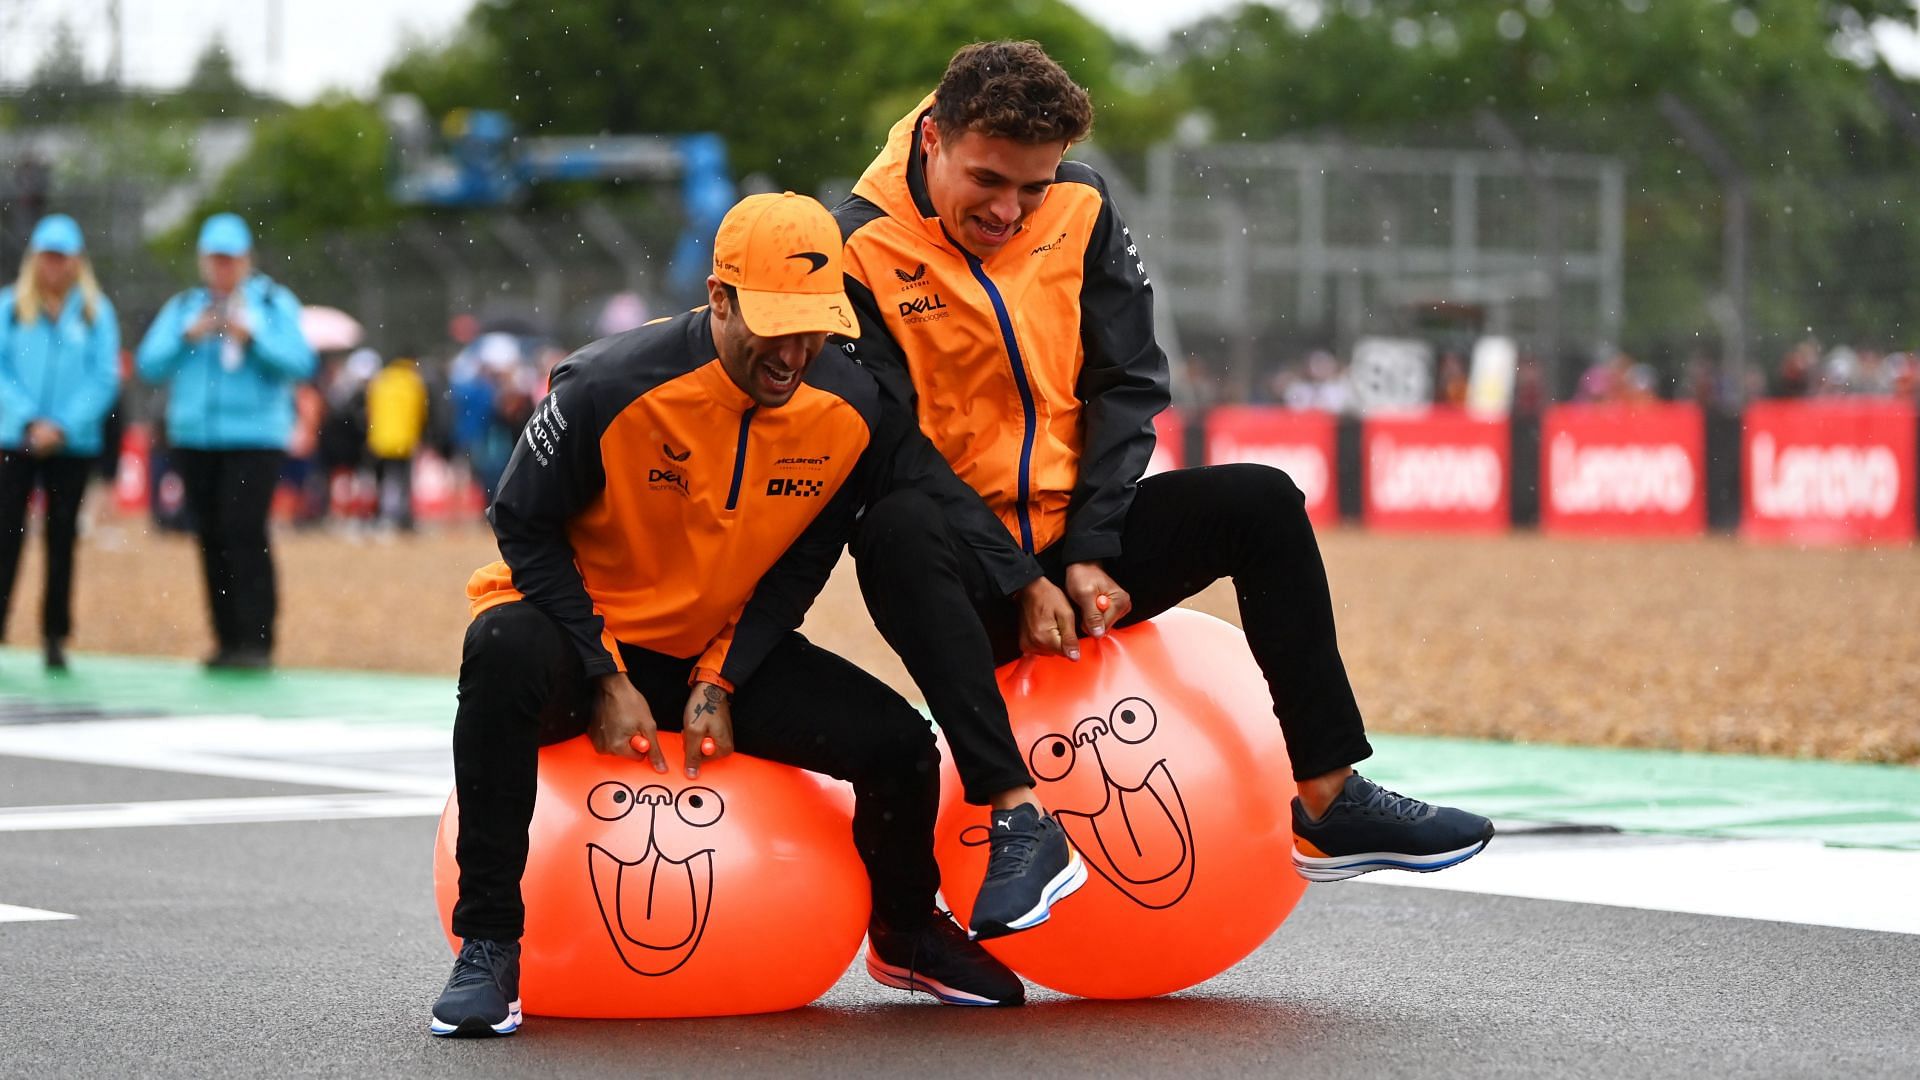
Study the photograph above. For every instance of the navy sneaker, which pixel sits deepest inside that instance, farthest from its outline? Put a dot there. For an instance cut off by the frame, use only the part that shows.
(482, 997)
(1030, 868)
(1369, 828)
(938, 958)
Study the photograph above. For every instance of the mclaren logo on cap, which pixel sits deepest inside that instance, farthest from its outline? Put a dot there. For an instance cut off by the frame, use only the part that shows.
(815, 260)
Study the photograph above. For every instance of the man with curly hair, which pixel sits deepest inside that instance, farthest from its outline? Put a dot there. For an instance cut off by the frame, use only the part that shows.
(997, 285)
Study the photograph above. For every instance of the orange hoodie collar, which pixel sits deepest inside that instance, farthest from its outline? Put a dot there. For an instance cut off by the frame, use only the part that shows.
(896, 180)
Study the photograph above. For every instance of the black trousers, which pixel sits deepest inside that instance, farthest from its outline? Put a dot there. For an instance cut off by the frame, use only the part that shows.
(522, 686)
(65, 481)
(393, 487)
(230, 493)
(1187, 529)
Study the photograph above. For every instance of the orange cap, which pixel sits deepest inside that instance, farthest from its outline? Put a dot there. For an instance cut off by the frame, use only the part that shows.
(782, 254)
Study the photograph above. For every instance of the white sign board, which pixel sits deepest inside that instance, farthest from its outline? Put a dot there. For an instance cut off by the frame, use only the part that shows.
(1391, 374)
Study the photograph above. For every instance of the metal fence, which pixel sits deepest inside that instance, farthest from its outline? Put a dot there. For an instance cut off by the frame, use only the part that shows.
(1259, 253)
(1271, 249)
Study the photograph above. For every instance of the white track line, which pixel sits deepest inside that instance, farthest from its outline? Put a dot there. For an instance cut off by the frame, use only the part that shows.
(220, 811)
(1798, 881)
(9, 913)
(305, 752)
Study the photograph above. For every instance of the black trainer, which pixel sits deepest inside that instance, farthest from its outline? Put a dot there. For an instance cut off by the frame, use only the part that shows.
(938, 958)
(1030, 868)
(1369, 828)
(482, 997)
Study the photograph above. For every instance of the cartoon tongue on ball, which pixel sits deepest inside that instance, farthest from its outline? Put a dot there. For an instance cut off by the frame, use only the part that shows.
(655, 905)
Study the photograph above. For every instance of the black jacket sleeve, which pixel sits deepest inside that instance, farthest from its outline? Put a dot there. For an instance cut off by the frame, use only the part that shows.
(555, 472)
(906, 458)
(1123, 384)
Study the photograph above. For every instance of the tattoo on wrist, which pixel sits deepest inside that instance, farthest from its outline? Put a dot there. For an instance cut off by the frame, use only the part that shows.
(714, 696)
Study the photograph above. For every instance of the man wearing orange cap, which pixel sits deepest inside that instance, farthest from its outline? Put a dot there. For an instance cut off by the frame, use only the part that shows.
(672, 509)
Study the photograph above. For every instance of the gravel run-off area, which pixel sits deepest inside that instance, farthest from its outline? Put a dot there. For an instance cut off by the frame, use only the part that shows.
(1707, 644)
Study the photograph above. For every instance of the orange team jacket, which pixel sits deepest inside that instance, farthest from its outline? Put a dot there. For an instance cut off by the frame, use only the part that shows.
(1035, 371)
(650, 502)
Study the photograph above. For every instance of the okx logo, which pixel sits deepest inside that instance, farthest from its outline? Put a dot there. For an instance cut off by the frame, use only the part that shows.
(787, 485)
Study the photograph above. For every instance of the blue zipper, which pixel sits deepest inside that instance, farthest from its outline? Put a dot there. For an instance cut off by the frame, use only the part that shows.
(1020, 382)
(740, 458)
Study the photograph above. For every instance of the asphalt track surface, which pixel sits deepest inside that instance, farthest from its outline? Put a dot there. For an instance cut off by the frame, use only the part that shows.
(311, 948)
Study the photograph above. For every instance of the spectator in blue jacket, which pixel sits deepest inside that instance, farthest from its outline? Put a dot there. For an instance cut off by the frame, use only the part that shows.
(231, 353)
(59, 375)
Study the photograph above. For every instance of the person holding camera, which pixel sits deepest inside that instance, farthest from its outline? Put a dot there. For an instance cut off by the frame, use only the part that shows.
(230, 352)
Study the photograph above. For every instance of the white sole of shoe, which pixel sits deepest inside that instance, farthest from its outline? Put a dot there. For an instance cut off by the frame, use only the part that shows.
(901, 978)
(479, 1027)
(1341, 867)
(1064, 884)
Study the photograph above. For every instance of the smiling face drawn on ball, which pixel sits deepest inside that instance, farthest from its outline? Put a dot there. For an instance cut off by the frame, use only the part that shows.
(655, 906)
(1135, 834)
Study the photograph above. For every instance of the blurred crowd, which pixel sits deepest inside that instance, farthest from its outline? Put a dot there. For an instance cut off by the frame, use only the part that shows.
(1319, 380)
(234, 405)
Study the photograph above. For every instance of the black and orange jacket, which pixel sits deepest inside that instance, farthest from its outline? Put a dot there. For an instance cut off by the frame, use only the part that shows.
(1035, 371)
(649, 501)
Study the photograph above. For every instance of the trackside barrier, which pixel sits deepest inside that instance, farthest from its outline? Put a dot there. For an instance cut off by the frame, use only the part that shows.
(1618, 470)
(1301, 444)
(1838, 471)
(1829, 472)
(1437, 471)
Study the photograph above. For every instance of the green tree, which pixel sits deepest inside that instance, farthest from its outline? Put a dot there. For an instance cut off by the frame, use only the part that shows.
(310, 171)
(60, 87)
(803, 93)
(1784, 86)
(462, 73)
(214, 88)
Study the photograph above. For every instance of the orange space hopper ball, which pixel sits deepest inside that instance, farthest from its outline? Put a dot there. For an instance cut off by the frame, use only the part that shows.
(649, 894)
(1159, 754)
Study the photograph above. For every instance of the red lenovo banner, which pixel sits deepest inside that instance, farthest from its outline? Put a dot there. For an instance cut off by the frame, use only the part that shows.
(1632, 470)
(1829, 472)
(1169, 442)
(1440, 470)
(1301, 444)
